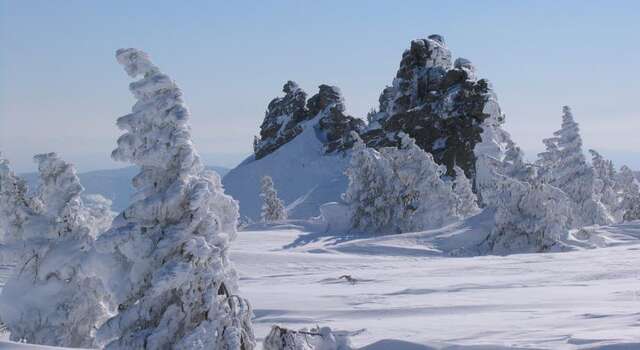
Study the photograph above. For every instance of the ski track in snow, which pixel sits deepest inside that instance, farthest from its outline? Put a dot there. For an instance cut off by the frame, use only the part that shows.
(584, 299)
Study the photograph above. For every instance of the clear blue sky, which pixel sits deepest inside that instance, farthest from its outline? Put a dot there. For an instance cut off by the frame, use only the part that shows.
(61, 89)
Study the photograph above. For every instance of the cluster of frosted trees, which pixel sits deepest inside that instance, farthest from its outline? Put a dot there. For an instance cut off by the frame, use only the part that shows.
(402, 189)
(158, 276)
(537, 204)
(395, 190)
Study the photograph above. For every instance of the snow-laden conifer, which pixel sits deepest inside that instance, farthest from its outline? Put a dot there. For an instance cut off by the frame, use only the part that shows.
(574, 176)
(398, 189)
(425, 200)
(176, 287)
(370, 195)
(530, 217)
(605, 185)
(272, 207)
(53, 296)
(466, 200)
(629, 188)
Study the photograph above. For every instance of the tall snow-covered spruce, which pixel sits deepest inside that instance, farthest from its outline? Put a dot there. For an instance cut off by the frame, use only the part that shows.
(571, 173)
(629, 187)
(272, 208)
(53, 296)
(177, 288)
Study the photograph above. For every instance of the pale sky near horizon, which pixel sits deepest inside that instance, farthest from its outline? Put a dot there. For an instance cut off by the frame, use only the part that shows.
(62, 90)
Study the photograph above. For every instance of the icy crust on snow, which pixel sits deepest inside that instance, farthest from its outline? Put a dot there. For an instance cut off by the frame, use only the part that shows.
(172, 277)
(305, 176)
(53, 295)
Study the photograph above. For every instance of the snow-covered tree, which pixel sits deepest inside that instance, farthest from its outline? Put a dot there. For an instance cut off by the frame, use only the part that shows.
(605, 186)
(318, 338)
(397, 190)
(548, 159)
(530, 217)
(53, 296)
(370, 194)
(273, 207)
(466, 200)
(629, 188)
(574, 176)
(175, 286)
(425, 200)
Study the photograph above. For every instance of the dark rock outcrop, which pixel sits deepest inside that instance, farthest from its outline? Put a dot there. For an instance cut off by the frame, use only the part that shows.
(285, 115)
(439, 104)
(282, 120)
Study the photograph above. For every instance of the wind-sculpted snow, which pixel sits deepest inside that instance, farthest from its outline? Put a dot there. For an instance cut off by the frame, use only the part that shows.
(404, 292)
(172, 277)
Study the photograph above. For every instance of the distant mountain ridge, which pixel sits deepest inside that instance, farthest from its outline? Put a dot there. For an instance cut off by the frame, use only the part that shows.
(114, 184)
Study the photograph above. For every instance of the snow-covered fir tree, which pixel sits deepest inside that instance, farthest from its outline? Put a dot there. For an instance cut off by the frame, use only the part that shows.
(425, 200)
(370, 195)
(530, 217)
(53, 296)
(574, 176)
(273, 207)
(175, 286)
(605, 185)
(466, 200)
(548, 159)
(397, 190)
(629, 188)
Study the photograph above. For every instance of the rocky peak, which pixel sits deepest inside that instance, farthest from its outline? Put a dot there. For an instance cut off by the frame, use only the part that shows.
(439, 104)
(326, 96)
(284, 116)
(282, 119)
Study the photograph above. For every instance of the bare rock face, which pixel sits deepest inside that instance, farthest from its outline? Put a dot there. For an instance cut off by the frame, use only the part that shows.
(282, 120)
(439, 104)
(285, 115)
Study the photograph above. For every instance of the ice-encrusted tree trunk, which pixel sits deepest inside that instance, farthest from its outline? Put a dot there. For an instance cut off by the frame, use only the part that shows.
(370, 196)
(466, 200)
(629, 188)
(176, 287)
(273, 207)
(605, 185)
(53, 296)
(574, 176)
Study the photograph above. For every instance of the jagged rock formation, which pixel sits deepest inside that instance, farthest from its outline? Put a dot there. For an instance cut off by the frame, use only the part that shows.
(439, 104)
(436, 101)
(285, 115)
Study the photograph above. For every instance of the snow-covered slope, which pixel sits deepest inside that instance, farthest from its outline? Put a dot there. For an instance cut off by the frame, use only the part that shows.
(304, 176)
(407, 295)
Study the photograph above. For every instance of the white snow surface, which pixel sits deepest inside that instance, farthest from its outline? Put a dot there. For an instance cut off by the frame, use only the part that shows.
(411, 294)
(304, 175)
(427, 290)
